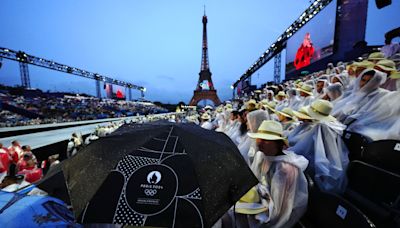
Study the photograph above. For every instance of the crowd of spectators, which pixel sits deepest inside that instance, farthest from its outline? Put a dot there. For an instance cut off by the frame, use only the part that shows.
(19, 166)
(286, 130)
(47, 109)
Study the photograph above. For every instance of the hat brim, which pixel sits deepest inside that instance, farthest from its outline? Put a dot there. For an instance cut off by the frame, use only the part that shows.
(395, 75)
(302, 116)
(385, 68)
(270, 108)
(265, 136)
(302, 90)
(376, 58)
(284, 114)
(250, 208)
(320, 117)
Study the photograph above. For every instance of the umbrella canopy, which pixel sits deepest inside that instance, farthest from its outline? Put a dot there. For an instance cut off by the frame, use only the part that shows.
(20, 210)
(159, 174)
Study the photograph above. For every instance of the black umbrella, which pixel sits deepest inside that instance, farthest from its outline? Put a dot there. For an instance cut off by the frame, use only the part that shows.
(169, 175)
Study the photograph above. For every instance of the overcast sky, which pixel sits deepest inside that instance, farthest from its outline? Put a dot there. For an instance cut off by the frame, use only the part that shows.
(155, 44)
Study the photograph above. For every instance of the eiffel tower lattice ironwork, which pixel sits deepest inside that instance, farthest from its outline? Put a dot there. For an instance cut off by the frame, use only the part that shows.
(205, 88)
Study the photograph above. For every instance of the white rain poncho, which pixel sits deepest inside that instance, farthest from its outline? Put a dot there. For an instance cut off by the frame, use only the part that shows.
(283, 187)
(207, 125)
(305, 101)
(238, 136)
(349, 108)
(334, 92)
(254, 120)
(328, 155)
(392, 84)
(342, 78)
(220, 122)
(379, 120)
(289, 126)
(300, 132)
(321, 94)
(293, 101)
(233, 127)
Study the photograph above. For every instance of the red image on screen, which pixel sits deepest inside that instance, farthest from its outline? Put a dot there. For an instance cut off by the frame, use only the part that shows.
(120, 94)
(305, 53)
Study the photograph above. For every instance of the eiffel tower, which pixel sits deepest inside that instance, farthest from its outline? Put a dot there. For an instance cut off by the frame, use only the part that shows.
(205, 88)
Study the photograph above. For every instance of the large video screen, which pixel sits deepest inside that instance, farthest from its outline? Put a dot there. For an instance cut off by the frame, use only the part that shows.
(313, 41)
(114, 91)
(119, 92)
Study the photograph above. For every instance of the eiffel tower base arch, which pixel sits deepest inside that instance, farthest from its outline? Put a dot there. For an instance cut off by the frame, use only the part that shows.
(205, 95)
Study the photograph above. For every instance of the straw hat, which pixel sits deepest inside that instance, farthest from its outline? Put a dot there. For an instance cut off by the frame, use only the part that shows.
(269, 130)
(228, 106)
(306, 88)
(320, 110)
(376, 56)
(387, 65)
(205, 116)
(288, 112)
(299, 84)
(264, 102)
(281, 94)
(271, 105)
(302, 113)
(249, 203)
(251, 105)
(395, 75)
(252, 101)
(364, 63)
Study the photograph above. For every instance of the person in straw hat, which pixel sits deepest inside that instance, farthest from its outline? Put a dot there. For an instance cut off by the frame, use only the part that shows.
(270, 108)
(376, 57)
(324, 148)
(205, 121)
(306, 94)
(389, 68)
(287, 119)
(277, 169)
(306, 124)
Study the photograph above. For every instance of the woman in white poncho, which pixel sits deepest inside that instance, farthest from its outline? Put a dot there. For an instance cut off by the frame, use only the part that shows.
(365, 92)
(247, 145)
(293, 101)
(372, 111)
(334, 92)
(325, 149)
